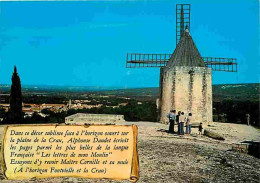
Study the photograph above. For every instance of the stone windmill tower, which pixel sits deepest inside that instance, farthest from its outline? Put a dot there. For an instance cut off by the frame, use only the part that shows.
(185, 83)
(185, 76)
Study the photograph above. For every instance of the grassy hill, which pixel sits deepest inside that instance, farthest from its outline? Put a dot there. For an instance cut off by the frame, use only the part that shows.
(241, 92)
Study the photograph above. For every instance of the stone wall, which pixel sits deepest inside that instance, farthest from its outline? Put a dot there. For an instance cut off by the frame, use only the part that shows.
(187, 89)
(81, 118)
(243, 148)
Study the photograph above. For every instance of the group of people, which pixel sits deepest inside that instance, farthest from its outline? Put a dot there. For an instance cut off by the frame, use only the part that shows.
(181, 119)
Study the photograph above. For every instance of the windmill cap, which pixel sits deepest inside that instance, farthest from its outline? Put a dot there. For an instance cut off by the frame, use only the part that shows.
(186, 53)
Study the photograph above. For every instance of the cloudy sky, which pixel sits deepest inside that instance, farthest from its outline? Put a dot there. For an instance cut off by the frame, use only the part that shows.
(85, 43)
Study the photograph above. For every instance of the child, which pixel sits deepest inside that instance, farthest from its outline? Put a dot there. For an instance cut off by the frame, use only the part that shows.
(200, 129)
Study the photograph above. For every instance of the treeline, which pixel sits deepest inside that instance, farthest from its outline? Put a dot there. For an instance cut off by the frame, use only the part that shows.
(235, 112)
(39, 99)
(226, 111)
(43, 99)
(63, 99)
(133, 111)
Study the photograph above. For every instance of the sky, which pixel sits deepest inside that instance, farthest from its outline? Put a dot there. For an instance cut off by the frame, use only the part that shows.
(84, 43)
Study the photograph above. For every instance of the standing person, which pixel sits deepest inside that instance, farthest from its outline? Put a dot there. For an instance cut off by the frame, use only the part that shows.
(200, 129)
(182, 119)
(188, 124)
(172, 117)
(178, 121)
(248, 119)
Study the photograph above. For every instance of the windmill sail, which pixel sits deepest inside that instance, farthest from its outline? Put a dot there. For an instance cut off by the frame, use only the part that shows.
(182, 20)
(139, 60)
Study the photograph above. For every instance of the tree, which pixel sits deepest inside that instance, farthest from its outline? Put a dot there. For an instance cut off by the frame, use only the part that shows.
(15, 113)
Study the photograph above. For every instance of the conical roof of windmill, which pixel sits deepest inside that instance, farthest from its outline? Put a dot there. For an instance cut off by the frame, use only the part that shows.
(186, 53)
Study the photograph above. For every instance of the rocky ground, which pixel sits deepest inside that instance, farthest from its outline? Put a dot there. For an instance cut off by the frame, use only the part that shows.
(191, 158)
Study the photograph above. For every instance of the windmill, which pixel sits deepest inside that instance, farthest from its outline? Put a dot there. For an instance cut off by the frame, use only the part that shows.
(185, 76)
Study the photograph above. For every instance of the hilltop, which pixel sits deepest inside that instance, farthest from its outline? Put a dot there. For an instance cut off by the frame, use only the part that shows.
(169, 158)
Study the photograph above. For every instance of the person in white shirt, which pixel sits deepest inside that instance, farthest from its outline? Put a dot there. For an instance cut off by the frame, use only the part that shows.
(182, 120)
(188, 124)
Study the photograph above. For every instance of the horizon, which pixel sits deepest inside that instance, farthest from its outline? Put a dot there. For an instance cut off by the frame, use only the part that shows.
(85, 45)
(102, 87)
